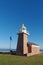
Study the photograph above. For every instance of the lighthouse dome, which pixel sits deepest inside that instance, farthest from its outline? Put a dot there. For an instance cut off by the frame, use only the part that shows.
(23, 29)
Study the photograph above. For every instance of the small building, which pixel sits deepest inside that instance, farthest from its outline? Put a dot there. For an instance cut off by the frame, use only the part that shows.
(23, 46)
(33, 48)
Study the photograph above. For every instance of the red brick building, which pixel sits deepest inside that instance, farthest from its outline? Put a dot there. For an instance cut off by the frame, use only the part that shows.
(23, 46)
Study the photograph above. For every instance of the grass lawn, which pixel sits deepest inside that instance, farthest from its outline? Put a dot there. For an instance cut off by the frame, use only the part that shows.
(21, 60)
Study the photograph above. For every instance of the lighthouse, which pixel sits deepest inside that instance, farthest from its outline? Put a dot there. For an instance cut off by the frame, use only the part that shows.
(22, 41)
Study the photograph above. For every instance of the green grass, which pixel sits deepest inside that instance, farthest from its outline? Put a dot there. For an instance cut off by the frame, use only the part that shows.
(21, 60)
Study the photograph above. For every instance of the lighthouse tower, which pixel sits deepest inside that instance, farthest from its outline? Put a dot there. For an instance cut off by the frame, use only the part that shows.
(22, 41)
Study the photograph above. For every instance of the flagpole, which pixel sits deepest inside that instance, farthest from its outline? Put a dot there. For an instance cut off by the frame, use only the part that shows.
(10, 42)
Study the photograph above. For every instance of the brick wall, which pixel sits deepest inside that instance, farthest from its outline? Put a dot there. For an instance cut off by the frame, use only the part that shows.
(19, 50)
(35, 49)
(25, 44)
(22, 44)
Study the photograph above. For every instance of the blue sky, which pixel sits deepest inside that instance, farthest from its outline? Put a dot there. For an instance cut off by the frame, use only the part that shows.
(14, 13)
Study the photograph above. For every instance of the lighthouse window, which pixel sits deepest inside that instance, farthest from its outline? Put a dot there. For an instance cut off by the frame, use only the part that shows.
(23, 29)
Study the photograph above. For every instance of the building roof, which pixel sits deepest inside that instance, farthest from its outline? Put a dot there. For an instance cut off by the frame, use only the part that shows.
(31, 43)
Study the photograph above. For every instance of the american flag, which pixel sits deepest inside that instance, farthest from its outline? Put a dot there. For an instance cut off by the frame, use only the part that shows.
(10, 38)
